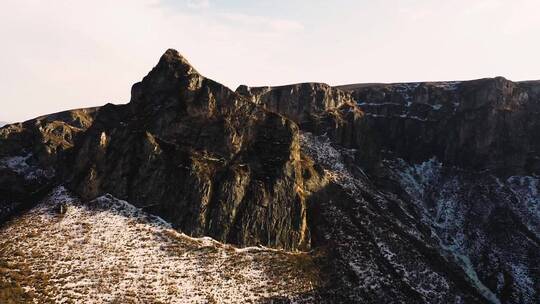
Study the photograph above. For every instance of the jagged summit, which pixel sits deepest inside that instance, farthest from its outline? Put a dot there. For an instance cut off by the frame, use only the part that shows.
(173, 60)
(215, 161)
(172, 75)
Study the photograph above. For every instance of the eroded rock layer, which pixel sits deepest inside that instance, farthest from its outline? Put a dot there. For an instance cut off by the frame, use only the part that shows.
(488, 124)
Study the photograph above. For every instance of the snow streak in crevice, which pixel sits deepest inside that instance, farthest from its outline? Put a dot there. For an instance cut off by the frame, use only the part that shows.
(445, 199)
(352, 244)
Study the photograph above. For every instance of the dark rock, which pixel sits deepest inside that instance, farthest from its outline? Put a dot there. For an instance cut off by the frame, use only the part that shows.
(61, 208)
(486, 124)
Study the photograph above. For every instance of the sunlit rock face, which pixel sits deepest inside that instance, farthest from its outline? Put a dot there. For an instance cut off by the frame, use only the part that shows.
(320, 109)
(395, 193)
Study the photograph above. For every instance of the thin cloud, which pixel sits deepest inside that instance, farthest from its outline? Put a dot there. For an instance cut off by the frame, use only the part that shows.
(260, 22)
(198, 4)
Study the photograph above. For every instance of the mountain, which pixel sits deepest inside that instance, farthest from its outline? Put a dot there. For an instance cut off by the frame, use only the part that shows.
(371, 193)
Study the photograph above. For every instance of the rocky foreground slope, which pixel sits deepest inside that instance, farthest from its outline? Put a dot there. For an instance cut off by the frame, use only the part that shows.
(372, 193)
(108, 251)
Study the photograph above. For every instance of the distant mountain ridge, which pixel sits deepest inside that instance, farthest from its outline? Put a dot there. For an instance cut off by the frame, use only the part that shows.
(402, 193)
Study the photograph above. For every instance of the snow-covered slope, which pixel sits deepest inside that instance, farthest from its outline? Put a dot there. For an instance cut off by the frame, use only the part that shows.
(490, 226)
(108, 251)
(425, 233)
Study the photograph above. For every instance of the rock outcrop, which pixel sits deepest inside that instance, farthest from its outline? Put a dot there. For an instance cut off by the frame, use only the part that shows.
(29, 155)
(201, 156)
(320, 109)
(487, 124)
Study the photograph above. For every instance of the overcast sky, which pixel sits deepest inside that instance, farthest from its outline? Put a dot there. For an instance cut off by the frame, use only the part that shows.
(61, 54)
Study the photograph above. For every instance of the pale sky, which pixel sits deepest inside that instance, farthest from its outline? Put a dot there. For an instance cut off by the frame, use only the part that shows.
(62, 54)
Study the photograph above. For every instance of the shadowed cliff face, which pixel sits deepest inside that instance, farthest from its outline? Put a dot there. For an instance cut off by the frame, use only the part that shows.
(424, 233)
(405, 193)
(487, 124)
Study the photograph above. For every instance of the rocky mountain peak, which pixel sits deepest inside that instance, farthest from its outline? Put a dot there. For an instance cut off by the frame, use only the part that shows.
(219, 164)
(173, 61)
(172, 75)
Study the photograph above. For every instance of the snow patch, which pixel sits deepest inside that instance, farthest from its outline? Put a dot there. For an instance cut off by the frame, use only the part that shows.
(446, 217)
(21, 166)
(527, 191)
(366, 267)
